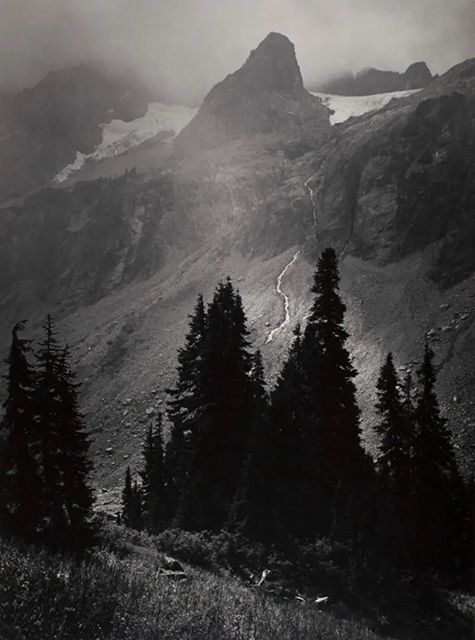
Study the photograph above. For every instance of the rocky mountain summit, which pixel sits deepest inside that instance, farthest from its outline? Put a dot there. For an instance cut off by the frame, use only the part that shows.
(119, 262)
(372, 81)
(264, 96)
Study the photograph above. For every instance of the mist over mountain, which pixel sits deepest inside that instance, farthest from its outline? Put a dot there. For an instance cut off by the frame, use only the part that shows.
(184, 48)
(374, 81)
(254, 184)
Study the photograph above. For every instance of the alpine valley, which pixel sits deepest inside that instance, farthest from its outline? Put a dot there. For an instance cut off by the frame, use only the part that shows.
(118, 208)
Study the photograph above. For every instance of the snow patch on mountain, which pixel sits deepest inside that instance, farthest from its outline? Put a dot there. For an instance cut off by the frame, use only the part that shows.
(119, 136)
(345, 107)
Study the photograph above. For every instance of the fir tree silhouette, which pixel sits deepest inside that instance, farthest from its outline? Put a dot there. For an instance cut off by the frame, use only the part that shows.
(153, 478)
(339, 471)
(21, 489)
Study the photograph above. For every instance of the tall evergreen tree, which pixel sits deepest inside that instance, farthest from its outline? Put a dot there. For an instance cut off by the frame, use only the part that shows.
(438, 488)
(131, 514)
(65, 463)
(393, 428)
(288, 462)
(249, 513)
(339, 471)
(223, 427)
(75, 462)
(182, 410)
(48, 411)
(153, 478)
(211, 409)
(396, 431)
(21, 495)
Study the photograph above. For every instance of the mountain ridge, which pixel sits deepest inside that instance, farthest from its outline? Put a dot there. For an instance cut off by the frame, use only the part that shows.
(120, 262)
(372, 81)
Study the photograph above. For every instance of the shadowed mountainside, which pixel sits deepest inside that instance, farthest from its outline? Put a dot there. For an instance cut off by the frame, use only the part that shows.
(119, 262)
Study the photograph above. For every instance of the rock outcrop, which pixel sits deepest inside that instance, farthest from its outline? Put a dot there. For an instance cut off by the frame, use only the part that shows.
(372, 81)
(264, 96)
(399, 180)
(42, 128)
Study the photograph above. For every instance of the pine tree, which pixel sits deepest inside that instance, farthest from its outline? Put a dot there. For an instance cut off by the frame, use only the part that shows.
(131, 514)
(438, 488)
(48, 410)
(249, 510)
(21, 495)
(127, 501)
(182, 408)
(75, 463)
(339, 471)
(393, 428)
(211, 411)
(64, 447)
(287, 459)
(396, 431)
(153, 478)
(221, 437)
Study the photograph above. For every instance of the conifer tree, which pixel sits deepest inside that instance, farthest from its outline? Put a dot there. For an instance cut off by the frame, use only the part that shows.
(339, 470)
(211, 411)
(153, 478)
(64, 447)
(183, 405)
(75, 461)
(249, 513)
(182, 409)
(131, 503)
(223, 428)
(287, 460)
(20, 493)
(396, 436)
(48, 411)
(438, 488)
(396, 431)
(127, 501)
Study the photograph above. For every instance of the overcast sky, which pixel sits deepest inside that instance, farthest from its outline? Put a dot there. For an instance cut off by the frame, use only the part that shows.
(188, 45)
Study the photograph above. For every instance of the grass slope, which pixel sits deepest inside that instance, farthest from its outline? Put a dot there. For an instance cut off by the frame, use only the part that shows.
(117, 592)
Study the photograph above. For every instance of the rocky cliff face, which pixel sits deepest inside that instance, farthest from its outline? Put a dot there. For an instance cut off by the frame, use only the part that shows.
(42, 128)
(372, 81)
(120, 262)
(264, 96)
(394, 182)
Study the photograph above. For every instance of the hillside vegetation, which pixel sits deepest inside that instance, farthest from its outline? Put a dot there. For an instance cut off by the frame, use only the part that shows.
(116, 592)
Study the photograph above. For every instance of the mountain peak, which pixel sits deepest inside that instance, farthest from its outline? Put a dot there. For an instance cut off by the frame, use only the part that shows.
(265, 95)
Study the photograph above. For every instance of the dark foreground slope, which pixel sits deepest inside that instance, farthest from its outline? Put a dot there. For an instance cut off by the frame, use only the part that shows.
(117, 591)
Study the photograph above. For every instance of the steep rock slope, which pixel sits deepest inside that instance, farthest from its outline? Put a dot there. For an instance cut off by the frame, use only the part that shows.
(398, 180)
(120, 262)
(42, 128)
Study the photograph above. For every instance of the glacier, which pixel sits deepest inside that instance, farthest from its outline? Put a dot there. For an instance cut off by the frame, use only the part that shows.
(119, 136)
(345, 107)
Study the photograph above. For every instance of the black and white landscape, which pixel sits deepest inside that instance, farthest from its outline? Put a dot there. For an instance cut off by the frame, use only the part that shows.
(237, 323)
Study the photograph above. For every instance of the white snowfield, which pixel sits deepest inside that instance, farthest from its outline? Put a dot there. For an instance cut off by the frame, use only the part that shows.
(346, 107)
(119, 136)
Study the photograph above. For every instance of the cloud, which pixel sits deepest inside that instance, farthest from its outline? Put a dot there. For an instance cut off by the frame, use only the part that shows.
(186, 46)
